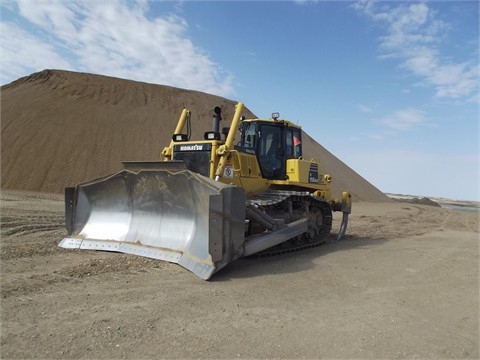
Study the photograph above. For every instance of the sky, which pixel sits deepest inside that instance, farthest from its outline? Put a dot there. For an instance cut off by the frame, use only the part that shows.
(389, 87)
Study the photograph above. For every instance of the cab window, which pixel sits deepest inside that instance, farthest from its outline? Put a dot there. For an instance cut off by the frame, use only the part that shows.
(293, 143)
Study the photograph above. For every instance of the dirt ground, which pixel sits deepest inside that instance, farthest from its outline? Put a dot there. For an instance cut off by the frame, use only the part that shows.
(404, 283)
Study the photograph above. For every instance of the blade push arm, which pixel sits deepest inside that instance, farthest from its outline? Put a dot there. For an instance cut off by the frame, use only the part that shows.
(167, 151)
(224, 149)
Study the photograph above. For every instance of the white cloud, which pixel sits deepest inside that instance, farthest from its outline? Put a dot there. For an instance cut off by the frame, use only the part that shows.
(114, 38)
(304, 2)
(364, 108)
(397, 122)
(49, 15)
(404, 120)
(34, 53)
(413, 34)
(422, 62)
(455, 80)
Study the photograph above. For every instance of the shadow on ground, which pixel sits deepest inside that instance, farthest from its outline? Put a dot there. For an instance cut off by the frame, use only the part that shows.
(291, 262)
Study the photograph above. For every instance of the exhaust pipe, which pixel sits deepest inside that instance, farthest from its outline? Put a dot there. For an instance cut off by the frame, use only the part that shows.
(217, 117)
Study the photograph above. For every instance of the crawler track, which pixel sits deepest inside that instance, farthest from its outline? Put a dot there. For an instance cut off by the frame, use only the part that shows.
(290, 206)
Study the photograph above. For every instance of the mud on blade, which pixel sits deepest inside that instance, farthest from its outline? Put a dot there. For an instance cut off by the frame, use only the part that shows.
(176, 216)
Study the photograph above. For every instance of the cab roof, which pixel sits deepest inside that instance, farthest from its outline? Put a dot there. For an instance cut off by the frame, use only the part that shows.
(271, 120)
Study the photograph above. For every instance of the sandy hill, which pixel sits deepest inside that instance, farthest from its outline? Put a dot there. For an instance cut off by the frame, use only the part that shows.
(59, 128)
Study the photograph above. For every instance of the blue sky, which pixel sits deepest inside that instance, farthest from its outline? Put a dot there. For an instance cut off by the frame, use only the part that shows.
(391, 88)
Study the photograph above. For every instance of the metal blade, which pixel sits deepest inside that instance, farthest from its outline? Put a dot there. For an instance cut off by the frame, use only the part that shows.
(180, 217)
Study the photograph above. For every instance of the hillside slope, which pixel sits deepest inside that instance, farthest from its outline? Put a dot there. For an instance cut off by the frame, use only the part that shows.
(59, 128)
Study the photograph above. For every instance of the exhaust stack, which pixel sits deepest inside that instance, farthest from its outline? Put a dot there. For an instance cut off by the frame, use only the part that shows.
(216, 119)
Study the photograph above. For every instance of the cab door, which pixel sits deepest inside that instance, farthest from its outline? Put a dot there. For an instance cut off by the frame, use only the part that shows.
(271, 151)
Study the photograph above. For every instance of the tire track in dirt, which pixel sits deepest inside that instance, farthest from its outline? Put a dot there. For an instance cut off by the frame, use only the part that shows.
(94, 267)
(441, 220)
(24, 233)
(397, 221)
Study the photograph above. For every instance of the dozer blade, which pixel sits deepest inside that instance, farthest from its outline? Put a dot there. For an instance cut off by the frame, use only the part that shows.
(173, 215)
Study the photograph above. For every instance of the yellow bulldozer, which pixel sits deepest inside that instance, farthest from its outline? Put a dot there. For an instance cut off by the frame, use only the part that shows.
(209, 202)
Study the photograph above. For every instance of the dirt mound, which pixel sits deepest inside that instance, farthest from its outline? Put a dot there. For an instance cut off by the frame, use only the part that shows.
(59, 128)
(420, 201)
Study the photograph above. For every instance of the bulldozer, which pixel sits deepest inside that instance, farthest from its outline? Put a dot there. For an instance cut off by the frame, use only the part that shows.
(240, 191)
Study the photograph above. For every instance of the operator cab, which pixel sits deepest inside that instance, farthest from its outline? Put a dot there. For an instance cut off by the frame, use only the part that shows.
(273, 142)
